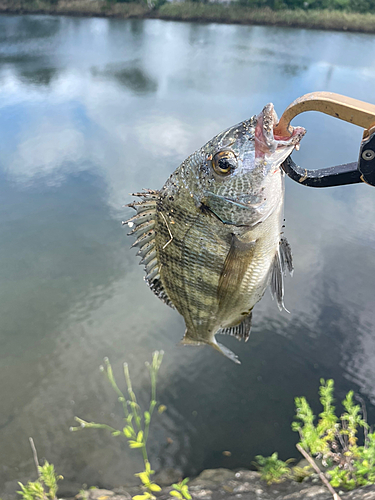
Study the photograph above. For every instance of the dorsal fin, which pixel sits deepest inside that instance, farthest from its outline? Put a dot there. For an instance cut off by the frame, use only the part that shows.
(281, 264)
(240, 331)
(143, 226)
(158, 289)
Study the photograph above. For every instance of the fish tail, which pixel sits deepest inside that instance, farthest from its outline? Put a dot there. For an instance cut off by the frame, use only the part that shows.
(227, 352)
(187, 341)
(218, 347)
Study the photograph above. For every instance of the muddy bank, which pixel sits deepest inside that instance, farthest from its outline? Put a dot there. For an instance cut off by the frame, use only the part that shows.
(223, 484)
(199, 12)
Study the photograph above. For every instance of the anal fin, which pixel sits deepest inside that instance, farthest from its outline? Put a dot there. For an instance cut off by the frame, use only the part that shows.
(240, 331)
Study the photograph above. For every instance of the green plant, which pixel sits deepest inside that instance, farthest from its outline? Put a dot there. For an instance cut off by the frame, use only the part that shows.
(83, 494)
(181, 490)
(298, 474)
(334, 440)
(272, 469)
(137, 424)
(45, 487)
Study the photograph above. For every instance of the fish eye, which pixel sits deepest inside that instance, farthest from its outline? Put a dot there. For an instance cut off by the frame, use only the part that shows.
(224, 162)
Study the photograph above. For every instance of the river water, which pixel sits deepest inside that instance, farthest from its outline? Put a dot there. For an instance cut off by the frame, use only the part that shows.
(94, 109)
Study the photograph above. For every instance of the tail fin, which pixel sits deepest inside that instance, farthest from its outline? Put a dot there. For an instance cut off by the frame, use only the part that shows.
(188, 341)
(227, 352)
(218, 347)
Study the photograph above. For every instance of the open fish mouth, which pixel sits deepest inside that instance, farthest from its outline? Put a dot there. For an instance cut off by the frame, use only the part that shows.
(266, 141)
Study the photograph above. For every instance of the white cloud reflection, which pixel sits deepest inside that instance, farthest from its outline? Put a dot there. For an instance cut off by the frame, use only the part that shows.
(50, 147)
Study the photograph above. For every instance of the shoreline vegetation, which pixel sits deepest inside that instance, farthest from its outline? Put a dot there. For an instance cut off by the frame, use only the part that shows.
(234, 13)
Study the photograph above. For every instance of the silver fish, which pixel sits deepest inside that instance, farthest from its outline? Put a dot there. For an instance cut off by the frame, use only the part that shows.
(210, 239)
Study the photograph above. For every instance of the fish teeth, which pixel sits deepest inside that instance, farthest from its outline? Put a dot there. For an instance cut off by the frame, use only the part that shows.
(144, 238)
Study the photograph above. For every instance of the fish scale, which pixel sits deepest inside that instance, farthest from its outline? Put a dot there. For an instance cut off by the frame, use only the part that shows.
(190, 277)
(210, 239)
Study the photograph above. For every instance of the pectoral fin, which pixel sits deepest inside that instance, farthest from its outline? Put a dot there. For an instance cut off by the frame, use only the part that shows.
(286, 259)
(281, 263)
(234, 268)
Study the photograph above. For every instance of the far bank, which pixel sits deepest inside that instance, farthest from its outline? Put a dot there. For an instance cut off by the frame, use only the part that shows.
(199, 12)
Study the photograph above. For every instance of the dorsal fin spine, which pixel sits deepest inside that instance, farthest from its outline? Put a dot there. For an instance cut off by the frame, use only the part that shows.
(146, 248)
(144, 238)
(142, 206)
(141, 217)
(146, 226)
(154, 274)
(149, 256)
(145, 222)
(151, 265)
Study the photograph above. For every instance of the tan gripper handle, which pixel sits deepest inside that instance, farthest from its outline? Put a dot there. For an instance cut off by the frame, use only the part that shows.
(339, 106)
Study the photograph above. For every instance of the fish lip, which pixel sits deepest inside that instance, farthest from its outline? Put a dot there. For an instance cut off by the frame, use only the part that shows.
(266, 141)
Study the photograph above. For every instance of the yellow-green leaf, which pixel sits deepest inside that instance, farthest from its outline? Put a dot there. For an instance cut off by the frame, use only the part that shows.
(134, 444)
(143, 476)
(140, 437)
(128, 431)
(154, 487)
(176, 494)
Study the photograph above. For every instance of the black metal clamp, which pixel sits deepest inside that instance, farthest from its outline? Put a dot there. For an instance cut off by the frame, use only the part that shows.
(344, 108)
(349, 173)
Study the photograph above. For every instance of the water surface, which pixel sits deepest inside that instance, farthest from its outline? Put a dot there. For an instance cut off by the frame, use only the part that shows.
(94, 109)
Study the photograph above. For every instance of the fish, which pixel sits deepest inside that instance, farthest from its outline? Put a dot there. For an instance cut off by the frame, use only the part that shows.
(211, 238)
